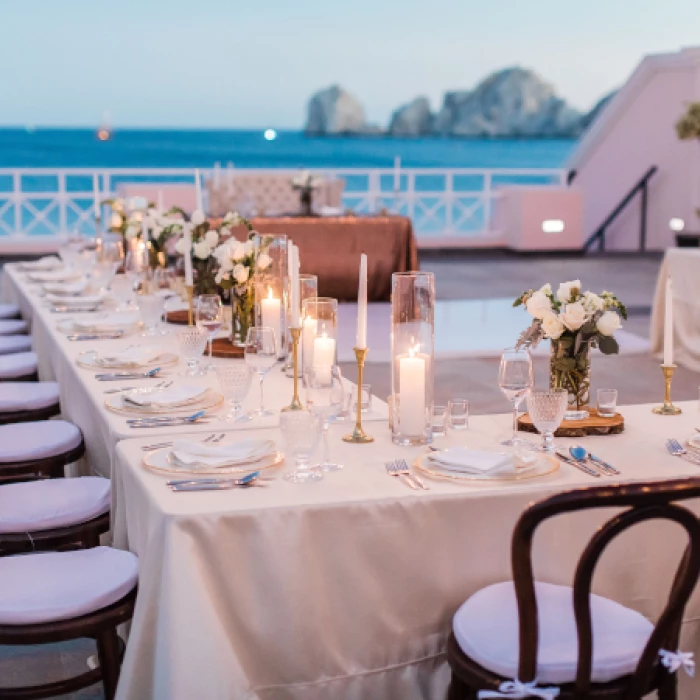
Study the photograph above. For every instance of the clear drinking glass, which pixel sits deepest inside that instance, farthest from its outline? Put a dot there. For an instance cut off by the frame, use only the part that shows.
(151, 307)
(234, 380)
(365, 398)
(547, 409)
(111, 250)
(209, 316)
(123, 289)
(101, 276)
(458, 414)
(607, 402)
(261, 355)
(515, 377)
(439, 421)
(192, 342)
(136, 264)
(324, 397)
(301, 431)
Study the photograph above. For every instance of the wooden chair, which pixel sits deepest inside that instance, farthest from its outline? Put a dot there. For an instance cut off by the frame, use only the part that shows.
(9, 311)
(13, 326)
(13, 344)
(18, 367)
(21, 402)
(520, 606)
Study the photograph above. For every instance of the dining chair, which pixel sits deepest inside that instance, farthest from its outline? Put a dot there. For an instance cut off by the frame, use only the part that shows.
(53, 514)
(38, 449)
(9, 311)
(19, 367)
(10, 344)
(524, 638)
(59, 596)
(13, 326)
(24, 401)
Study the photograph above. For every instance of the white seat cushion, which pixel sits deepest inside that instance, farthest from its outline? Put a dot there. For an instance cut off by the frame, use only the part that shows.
(20, 442)
(486, 629)
(17, 364)
(27, 396)
(9, 310)
(42, 505)
(10, 344)
(13, 326)
(53, 586)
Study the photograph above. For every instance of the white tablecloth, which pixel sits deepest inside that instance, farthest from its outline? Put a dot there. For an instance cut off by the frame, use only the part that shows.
(345, 588)
(683, 264)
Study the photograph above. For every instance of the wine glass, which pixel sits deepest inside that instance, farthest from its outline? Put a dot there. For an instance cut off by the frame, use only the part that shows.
(192, 342)
(235, 384)
(151, 307)
(301, 431)
(136, 265)
(209, 317)
(111, 250)
(515, 377)
(547, 409)
(324, 397)
(123, 289)
(261, 355)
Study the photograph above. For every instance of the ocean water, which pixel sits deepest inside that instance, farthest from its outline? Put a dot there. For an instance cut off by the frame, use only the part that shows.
(66, 148)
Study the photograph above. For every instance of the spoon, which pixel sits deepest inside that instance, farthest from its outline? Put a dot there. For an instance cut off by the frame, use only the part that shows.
(580, 454)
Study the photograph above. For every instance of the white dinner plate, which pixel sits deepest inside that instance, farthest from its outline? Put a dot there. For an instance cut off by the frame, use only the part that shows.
(159, 461)
(67, 325)
(208, 401)
(544, 464)
(88, 360)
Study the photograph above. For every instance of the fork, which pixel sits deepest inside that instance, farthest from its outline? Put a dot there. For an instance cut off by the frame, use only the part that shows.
(393, 469)
(404, 466)
(213, 438)
(677, 450)
(160, 385)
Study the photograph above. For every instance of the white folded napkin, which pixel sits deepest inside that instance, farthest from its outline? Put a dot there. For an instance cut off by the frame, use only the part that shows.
(65, 288)
(108, 322)
(461, 459)
(173, 396)
(194, 454)
(48, 262)
(86, 300)
(55, 276)
(137, 356)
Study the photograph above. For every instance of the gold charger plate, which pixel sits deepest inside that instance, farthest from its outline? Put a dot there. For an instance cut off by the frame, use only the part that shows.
(545, 464)
(158, 462)
(209, 400)
(165, 359)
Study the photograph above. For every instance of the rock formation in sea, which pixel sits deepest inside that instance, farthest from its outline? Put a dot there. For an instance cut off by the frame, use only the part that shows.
(335, 111)
(412, 119)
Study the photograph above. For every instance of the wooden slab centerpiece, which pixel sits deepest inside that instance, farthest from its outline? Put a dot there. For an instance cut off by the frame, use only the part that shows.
(223, 347)
(593, 425)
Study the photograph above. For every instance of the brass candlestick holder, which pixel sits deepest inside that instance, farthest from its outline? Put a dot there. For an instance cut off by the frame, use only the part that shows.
(358, 435)
(296, 404)
(190, 304)
(667, 409)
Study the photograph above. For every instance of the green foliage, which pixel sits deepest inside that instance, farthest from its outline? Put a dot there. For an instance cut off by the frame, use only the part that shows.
(688, 126)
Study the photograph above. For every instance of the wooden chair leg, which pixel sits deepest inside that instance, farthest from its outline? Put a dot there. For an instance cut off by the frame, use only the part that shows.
(668, 690)
(110, 660)
(458, 690)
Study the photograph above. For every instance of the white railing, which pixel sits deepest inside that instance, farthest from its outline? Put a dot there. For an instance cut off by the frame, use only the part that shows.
(448, 206)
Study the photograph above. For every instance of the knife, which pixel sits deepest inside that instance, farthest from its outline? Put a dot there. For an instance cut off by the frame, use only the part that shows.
(602, 463)
(115, 376)
(72, 309)
(96, 336)
(578, 465)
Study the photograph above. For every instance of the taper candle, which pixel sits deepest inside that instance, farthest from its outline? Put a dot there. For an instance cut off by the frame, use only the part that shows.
(361, 338)
(189, 275)
(96, 195)
(198, 190)
(668, 323)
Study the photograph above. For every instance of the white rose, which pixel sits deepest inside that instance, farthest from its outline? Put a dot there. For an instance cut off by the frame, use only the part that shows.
(573, 316)
(546, 288)
(241, 273)
(212, 238)
(264, 261)
(197, 217)
(117, 205)
(593, 302)
(565, 290)
(248, 248)
(552, 326)
(233, 218)
(608, 323)
(226, 265)
(116, 221)
(136, 217)
(181, 247)
(539, 304)
(132, 231)
(202, 250)
(237, 251)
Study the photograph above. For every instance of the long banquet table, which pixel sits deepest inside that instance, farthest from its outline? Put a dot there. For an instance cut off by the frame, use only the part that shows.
(344, 588)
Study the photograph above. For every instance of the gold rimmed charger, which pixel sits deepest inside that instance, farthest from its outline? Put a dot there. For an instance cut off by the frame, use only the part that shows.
(88, 360)
(159, 462)
(208, 401)
(68, 327)
(544, 464)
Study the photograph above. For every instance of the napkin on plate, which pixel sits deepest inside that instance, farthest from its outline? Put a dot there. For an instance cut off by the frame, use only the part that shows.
(108, 322)
(173, 396)
(136, 356)
(74, 301)
(196, 454)
(461, 459)
(48, 262)
(65, 288)
(54, 276)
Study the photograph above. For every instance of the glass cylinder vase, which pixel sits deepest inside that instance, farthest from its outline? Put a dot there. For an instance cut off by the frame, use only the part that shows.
(572, 371)
(271, 287)
(412, 357)
(308, 286)
(319, 334)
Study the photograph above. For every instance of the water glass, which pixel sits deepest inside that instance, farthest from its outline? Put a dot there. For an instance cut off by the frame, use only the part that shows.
(151, 308)
(365, 398)
(547, 409)
(607, 402)
(234, 380)
(261, 355)
(301, 431)
(192, 342)
(515, 378)
(458, 414)
(325, 397)
(136, 264)
(209, 316)
(123, 289)
(439, 421)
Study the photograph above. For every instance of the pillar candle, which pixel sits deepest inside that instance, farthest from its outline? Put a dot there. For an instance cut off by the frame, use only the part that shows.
(308, 335)
(96, 195)
(198, 190)
(668, 324)
(324, 351)
(412, 394)
(361, 338)
(270, 315)
(189, 276)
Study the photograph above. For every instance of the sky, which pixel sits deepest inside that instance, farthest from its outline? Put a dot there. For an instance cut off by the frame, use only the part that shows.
(255, 63)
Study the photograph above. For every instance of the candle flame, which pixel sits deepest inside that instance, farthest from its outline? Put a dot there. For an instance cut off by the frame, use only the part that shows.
(269, 293)
(413, 351)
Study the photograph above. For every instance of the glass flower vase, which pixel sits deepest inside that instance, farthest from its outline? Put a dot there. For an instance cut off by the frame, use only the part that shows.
(572, 371)
(271, 287)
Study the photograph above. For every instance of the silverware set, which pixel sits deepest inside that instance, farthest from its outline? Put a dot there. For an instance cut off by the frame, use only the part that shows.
(213, 438)
(72, 309)
(116, 376)
(148, 390)
(677, 450)
(219, 484)
(399, 468)
(167, 421)
(96, 336)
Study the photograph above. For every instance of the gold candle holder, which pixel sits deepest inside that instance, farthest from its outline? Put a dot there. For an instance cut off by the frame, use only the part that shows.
(190, 304)
(667, 408)
(296, 404)
(358, 435)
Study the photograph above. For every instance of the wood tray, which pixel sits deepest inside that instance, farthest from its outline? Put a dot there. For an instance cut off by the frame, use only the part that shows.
(593, 425)
(223, 347)
(179, 316)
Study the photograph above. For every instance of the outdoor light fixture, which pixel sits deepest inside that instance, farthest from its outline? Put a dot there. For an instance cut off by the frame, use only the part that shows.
(676, 224)
(552, 226)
